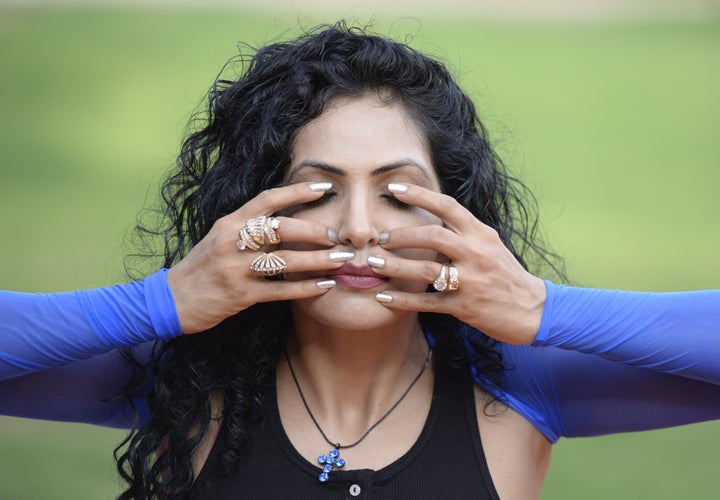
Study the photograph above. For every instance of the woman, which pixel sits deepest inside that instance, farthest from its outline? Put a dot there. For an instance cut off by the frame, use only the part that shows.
(350, 141)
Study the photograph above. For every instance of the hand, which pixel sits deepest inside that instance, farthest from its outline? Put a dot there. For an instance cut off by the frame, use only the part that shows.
(214, 280)
(496, 294)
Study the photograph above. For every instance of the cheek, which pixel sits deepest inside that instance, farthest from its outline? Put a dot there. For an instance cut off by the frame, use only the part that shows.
(408, 216)
(416, 254)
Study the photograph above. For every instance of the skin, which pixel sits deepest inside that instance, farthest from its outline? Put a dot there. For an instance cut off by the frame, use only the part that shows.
(373, 349)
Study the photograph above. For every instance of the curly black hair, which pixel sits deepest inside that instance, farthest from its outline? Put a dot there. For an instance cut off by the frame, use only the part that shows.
(241, 146)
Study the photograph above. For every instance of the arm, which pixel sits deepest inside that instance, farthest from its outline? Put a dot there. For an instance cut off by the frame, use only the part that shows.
(58, 352)
(677, 333)
(86, 391)
(609, 361)
(59, 356)
(40, 331)
(600, 361)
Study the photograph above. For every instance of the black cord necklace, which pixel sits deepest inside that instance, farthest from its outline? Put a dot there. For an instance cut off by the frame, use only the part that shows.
(332, 458)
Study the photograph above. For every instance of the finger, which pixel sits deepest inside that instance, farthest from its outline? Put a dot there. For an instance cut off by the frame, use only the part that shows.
(419, 302)
(431, 237)
(407, 269)
(273, 200)
(294, 290)
(455, 216)
(305, 231)
(309, 260)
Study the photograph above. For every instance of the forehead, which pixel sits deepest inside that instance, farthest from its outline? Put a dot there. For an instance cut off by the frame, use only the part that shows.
(359, 134)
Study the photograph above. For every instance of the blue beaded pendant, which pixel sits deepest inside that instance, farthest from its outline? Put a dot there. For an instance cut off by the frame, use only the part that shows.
(330, 461)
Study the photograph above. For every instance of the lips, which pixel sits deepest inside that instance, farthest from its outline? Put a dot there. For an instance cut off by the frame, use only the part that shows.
(358, 277)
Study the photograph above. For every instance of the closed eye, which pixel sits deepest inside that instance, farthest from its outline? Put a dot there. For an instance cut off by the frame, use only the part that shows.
(329, 195)
(292, 210)
(392, 201)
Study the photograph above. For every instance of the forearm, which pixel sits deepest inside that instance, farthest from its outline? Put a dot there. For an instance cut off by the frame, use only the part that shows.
(88, 391)
(39, 331)
(568, 393)
(675, 333)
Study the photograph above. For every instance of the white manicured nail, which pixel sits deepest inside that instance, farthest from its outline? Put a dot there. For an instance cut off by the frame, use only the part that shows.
(378, 262)
(341, 255)
(320, 186)
(333, 236)
(383, 238)
(326, 284)
(397, 188)
(383, 297)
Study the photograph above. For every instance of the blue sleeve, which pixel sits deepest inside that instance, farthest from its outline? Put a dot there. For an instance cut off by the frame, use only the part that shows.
(86, 391)
(613, 361)
(39, 331)
(676, 332)
(59, 355)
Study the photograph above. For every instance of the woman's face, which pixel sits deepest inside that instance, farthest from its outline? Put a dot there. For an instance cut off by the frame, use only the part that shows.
(361, 145)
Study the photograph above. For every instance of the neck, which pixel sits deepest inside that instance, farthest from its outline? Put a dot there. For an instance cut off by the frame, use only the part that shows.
(350, 377)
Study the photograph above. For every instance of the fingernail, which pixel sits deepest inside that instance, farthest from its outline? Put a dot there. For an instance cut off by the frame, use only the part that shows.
(383, 238)
(326, 284)
(333, 236)
(378, 262)
(383, 297)
(397, 188)
(320, 186)
(341, 255)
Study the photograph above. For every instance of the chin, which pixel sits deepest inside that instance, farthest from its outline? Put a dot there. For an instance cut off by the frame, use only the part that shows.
(359, 312)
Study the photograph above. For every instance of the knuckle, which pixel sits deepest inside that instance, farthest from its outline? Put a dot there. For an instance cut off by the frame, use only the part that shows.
(265, 197)
(434, 232)
(429, 272)
(223, 224)
(491, 233)
(446, 202)
(224, 240)
(427, 302)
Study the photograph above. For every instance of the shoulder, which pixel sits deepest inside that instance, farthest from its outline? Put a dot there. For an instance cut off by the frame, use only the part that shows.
(202, 452)
(514, 448)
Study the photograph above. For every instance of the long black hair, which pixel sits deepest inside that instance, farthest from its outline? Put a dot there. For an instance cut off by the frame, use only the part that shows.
(241, 146)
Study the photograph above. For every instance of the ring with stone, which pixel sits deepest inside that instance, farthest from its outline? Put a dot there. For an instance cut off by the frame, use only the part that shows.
(246, 242)
(257, 232)
(268, 264)
(270, 226)
(256, 229)
(440, 284)
(453, 279)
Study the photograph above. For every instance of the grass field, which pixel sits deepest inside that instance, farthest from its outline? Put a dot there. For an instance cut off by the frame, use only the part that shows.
(615, 125)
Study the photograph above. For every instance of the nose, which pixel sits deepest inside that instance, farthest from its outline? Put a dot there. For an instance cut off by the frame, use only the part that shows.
(358, 223)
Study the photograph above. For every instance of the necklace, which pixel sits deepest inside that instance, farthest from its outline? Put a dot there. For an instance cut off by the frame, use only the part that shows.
(333, 458)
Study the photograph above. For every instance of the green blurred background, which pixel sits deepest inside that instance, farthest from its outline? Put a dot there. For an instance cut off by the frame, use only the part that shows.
(612, 116)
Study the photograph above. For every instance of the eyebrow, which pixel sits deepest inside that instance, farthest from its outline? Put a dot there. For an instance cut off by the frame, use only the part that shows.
(326, 167)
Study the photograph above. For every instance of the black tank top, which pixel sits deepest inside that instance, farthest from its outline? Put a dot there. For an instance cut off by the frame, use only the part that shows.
(447, 460)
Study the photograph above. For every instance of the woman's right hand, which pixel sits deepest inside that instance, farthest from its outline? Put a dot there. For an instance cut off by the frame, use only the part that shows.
(214, 280)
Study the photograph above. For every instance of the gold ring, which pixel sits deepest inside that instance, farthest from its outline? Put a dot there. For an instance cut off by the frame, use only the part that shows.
(270, 226)
(246, 242)
(268, 264)
(453, 279)
(257, 232)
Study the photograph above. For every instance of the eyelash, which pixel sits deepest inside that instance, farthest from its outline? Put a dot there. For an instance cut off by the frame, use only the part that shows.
(390, 199)
(329, 195)
(320, 201)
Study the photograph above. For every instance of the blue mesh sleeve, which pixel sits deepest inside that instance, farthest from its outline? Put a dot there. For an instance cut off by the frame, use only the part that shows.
(609, 361)
(59, 352)
(676, 332)
(39, 331)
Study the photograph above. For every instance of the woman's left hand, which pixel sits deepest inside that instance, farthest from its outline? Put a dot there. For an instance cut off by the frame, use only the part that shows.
(495, 295)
